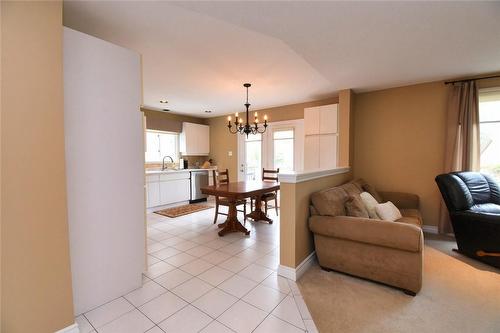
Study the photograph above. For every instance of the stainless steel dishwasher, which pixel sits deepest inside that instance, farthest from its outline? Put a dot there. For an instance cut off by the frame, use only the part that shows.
(199, 178)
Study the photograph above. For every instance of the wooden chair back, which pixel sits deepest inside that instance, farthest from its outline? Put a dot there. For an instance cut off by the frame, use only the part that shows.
(221, 178)
(269, 174)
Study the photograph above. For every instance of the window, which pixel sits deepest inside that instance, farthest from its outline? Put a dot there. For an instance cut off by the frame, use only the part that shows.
(489, 119)
(160, 144)
(283, 147)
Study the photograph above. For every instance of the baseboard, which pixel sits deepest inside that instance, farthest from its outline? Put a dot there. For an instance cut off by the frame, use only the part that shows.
(295, 273)
(70, 329)
(430, 229)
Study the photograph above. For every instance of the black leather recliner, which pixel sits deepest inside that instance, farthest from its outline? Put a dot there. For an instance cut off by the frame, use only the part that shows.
(473, 201)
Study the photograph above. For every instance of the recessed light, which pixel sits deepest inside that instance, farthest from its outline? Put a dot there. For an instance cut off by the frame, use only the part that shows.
(166, 110)
(208, 111)
(163, 101)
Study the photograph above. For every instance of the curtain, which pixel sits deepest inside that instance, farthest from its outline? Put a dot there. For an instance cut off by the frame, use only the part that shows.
(462, 137)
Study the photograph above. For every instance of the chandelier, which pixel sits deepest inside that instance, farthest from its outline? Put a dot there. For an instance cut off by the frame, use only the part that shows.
(247, 128)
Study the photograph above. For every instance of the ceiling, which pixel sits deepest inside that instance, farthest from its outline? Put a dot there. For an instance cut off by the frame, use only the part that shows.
(197, 55)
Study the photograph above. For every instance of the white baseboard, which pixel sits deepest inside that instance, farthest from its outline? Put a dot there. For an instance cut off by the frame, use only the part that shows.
(430, 229)
(70, 329)
(295, 273)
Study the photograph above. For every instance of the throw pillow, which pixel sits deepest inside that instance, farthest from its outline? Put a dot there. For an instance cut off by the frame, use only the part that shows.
(370, 189)
(370, 204)
(355, 207)
(388, 211)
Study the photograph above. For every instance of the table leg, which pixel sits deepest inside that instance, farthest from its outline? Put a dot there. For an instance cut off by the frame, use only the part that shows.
(258, 214)
(232, 224)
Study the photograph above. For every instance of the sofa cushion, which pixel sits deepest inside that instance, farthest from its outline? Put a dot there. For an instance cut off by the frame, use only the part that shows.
(387, 211)
(354, 207)
(352, 189)
(370, 189)
(330, 201)
(370, 204)
(411, 216)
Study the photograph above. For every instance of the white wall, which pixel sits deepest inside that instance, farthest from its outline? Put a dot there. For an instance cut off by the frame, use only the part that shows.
(105, 168)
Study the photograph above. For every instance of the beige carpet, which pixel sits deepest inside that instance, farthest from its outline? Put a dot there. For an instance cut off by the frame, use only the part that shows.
(458, 295)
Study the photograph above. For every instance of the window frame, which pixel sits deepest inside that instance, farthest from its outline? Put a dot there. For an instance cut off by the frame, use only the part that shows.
(273, 140)
(160, 157)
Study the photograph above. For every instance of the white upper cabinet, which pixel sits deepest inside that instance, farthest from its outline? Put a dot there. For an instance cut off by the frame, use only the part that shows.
(321, 119)
(194, 140)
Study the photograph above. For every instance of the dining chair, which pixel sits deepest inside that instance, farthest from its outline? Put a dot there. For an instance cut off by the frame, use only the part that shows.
(269, 175)
(222, 177)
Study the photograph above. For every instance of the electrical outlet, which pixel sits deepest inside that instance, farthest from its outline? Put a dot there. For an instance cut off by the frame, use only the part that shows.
(229, 153)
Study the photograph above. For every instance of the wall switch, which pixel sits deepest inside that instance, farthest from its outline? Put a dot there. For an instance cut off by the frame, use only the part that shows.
(229, 153)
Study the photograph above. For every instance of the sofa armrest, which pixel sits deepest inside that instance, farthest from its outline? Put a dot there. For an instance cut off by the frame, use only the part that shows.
(401, 200)
(395, 235)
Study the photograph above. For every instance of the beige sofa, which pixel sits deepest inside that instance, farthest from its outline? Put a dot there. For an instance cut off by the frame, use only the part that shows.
(382, 251)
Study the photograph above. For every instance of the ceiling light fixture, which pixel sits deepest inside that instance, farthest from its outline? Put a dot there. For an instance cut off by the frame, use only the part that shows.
(163, 101)
(208, 111)
(247, 128)
(166, 110)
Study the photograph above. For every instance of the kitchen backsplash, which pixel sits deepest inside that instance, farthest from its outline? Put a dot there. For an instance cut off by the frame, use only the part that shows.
(193, 161)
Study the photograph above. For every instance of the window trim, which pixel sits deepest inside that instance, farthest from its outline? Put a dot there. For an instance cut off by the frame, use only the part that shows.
(293, 138)
(177, 148)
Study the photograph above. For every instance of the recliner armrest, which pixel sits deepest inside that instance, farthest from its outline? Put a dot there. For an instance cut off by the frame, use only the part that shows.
(395, 235)
(477, 217)
(402, 200)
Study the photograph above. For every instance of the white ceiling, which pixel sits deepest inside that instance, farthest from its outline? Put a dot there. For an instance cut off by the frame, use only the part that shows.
(197, 55)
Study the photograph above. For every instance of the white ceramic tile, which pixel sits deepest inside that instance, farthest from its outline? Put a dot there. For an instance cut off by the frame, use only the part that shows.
(310, 326)
(294, 288)
(215, 302)
(165, 253)
(192, 289)
(217, 243)
(147, 292)
(233, 248)
(108, 312)
(289, 312)
(216, 257)
(216, 327)
(177, 231)
(277, 282)
(131, 322)
(196, 267)
(155, 329)
(83, 324)
(161, 236)
(271, 262)
(256, 272)
(162, 307)
(180, 259)
(185, 245)
(264, 298)
(272, 325)
(199, 251)
(187, 320)
(237, 285)
(190, 234)
(156, 247)
(304, 311)
(152, 260)
(172, 241)
(158, 269)
(173, 278)
(215, 275)
(234, 264)
(242, 317)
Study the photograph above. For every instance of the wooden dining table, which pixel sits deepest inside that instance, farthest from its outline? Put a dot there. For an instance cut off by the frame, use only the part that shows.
(241, 190)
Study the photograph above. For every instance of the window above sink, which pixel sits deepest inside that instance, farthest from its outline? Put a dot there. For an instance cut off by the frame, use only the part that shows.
(160, 144)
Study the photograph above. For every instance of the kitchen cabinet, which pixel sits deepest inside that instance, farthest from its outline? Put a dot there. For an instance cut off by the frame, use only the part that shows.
(167, 188)
(321, 137)
(194, 140)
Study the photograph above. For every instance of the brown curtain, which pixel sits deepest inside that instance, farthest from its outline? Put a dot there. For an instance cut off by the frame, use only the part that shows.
(462, 137)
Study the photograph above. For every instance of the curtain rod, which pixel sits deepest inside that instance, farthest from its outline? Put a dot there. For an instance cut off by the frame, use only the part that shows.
(473, 79)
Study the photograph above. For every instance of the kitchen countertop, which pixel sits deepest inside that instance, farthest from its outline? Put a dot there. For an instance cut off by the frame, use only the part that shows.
(156, 172)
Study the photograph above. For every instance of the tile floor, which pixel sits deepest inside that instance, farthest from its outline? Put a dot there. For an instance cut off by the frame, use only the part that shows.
(199, 282)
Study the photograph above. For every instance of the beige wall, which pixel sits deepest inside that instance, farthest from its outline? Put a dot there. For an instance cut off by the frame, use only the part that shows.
(36, 279)
(296, 240)
(221, 141)
(173, 116)
(399, 141)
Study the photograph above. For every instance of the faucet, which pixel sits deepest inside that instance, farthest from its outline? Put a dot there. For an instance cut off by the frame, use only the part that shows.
(163, 162)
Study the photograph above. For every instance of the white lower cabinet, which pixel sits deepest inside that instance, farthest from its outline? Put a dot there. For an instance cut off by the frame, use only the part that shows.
(167, 188)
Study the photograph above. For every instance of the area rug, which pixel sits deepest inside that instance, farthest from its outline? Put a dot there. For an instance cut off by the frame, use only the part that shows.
(458, 295)
(182, 210)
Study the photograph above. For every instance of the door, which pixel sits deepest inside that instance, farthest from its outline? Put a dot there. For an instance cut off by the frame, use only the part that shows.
(250, 157)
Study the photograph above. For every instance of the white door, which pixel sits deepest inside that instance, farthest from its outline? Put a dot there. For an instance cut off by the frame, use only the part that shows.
(250, 157)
